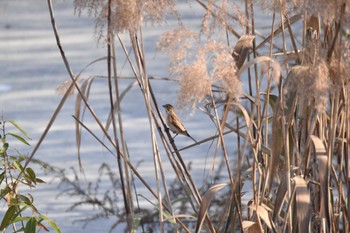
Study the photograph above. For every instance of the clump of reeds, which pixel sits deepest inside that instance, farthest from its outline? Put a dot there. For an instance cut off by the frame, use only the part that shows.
(292, 136)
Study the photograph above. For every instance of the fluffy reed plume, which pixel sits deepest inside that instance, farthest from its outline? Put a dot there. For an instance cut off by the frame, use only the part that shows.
(224, 68)
(274, 68)
(156, 10)
(311, 84)
(329, 10)
(218, 16)
(194, 82)
(126, 15)
(271, 5)
(198, 67)
(177, 42)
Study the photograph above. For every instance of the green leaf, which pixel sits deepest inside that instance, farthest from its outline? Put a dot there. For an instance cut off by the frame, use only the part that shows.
(31, 198)
(19, 158)
(167, 216)
(31, 225)
(4, 191)
(2, 176)
(18, 138)
(25, 199)
(18, 166)
(136, 223)
(19, 211)
(273, 99)
(40, 181)
(19, 128)
(4, 148)
(30, 172)
(180, 200)
(9, 216)
(20, 219)
(52, 223)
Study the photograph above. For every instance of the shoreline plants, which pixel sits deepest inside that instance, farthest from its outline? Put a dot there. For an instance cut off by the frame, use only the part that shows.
(21, 215)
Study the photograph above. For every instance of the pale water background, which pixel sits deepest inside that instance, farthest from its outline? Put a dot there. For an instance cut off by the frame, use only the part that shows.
(30, 70)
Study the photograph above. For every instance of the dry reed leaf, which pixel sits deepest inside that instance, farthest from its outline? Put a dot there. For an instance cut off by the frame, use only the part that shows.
(84, 87)
(251, 227)
(280, 196)
(241, 49)
(249, 123)
(208, 196)
(255, 61)
(323, 172)
(302, 204)
(120, 98)
(247, 224)
(64, 87)
(263, 214)
(276, 143)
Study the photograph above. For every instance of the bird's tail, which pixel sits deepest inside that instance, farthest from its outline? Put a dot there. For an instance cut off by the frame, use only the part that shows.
(188, 135)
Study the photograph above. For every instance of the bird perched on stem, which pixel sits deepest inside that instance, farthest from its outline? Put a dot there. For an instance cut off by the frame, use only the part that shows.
(174, 122)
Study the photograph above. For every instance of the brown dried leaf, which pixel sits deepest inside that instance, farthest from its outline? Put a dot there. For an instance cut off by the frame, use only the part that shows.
(302, 201)
(247, 224)
(263, 214)
(323, 171)
(249, 122)
(208, 196)
(241, 49)
(281, 193)
(251, 227)
(262, 59)
(276, 143)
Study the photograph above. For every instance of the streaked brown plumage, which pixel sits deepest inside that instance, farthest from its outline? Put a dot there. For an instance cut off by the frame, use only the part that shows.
(174, 122)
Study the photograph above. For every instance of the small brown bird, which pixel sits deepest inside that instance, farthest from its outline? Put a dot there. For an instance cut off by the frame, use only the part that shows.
(174, 122)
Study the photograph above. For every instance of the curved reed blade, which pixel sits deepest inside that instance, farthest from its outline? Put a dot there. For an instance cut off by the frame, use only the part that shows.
(323, 171)
(208, 196)
(302, 204)
(280, 197)
(276, 144)
(257, 60)
(78, 103)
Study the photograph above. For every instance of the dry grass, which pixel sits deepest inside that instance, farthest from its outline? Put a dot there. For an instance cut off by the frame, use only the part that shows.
(291, 120)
